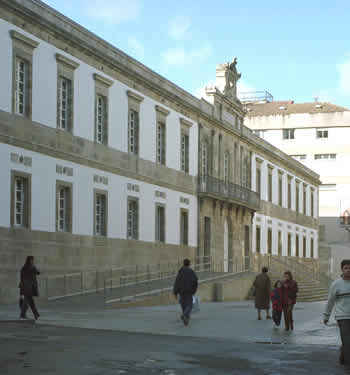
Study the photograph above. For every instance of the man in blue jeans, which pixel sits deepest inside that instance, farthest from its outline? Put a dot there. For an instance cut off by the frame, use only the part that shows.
(186, 285)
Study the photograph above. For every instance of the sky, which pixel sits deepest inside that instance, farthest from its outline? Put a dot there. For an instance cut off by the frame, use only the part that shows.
(297, 50)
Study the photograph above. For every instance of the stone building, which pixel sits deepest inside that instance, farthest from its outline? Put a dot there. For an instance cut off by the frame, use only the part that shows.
(104, 162)
(316, 134)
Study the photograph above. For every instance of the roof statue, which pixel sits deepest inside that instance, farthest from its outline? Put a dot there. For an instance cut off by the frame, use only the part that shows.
(227, 77)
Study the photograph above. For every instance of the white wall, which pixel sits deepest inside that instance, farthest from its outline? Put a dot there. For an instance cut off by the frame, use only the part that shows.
(45, 98)
(44, 176)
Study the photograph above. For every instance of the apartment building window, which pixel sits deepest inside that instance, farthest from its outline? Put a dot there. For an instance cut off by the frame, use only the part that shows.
(280, 189)
(100, 121)
(269, 240)
(160, 223)
(304, 246)
(204, 159)
(20, 199)
(297, 245)
(288, 133)
(258, 180)
(23, 49)
(269, 185)
(100, 214)
(257, 239)
(185, 144)
(289, 239)
(134, 105)
(297, 196)
(280, 244)
(304, 200)
(289, 192)
(226, 166)
(161, 143)
(312, 248)
(65, 92)
(312, 202)
(299, 157)
(325, 156)
(183, 227)
(133, 218)
(63, 206)
(321, 133)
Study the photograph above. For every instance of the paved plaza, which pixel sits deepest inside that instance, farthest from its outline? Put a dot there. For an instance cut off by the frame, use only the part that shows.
(223, 338)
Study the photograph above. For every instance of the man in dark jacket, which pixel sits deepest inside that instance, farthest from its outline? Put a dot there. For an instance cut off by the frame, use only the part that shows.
(186, 285)
(29, 287)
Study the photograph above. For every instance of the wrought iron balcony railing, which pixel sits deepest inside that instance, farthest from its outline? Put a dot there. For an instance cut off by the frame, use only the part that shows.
(224, 190)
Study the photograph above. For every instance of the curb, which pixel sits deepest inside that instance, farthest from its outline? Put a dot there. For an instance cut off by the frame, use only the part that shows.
(22, 321)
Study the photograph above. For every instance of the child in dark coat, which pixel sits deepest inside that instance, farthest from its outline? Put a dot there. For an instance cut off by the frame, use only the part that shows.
(277, 303)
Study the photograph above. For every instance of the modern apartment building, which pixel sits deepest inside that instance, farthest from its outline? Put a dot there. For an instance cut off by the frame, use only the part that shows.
(316, 134)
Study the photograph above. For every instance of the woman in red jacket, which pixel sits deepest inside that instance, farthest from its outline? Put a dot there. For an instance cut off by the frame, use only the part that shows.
(289, 290)
(277, 306)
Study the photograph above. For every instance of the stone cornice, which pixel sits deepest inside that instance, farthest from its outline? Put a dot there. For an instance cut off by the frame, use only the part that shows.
(133, 95)
(105, 81)
(24, 39)
(185, 122)
(161, 110)
(66, 61)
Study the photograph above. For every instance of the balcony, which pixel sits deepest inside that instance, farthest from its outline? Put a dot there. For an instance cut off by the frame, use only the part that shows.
(218, 189)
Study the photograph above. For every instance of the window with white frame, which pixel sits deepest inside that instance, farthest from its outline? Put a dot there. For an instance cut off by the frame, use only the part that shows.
(325, 156)
(161, 152)
(133, 132)
(101, 118)
(204, 159)
(288, 133)
(65, 103)
(20, 201)
(183, 227)
(257, 239)
(63, 223)
(21, 86)
(185, 140)
(321, 133)
(226, 166)
(100, 214)
(160, 223)
(132, 218)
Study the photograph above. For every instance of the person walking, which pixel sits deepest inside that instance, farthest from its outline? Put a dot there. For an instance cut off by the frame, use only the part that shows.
(186, 285)
(339, 295)
(277, 306)
(289, 292)
(262, 285)
(29, 287)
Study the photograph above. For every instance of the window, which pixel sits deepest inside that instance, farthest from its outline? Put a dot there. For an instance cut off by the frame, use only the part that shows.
(226, 166)
(312, 248)
(204, 159)
(269, 185)
(288, 133)
(289, 193)
(325, 156)
(280, 244)
(269, 240)
(280, 189)
(100, 214)
(304, 247)
(312, 202)
(321, 133)
(101, 119)
(160, 223)
(299, 157)
(257, 239)
(289, 244)
(63, 207)
(65, 92)
(184, 227)
(185, 140)
(133, 132)
(304, 200)
(297, 196)
(20, 199)
(23, 49)
(258, 180)
(133, 215)
(161, 143)
(297, 245)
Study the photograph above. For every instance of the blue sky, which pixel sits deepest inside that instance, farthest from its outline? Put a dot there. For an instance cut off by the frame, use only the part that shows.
(296, 50)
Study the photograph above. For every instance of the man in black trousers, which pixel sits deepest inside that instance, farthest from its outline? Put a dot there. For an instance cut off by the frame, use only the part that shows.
(186, 285)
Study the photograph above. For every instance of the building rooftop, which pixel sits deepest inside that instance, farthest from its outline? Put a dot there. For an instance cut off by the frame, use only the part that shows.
(288, 107)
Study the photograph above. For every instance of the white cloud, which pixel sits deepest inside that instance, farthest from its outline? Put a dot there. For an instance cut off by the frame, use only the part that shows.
(113, 12)
(179, 27)
(344, 76)
(179, 56)
(136, 47)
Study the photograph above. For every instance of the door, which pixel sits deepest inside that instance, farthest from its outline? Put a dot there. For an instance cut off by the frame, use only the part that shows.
(207, 240)
(246, 246)
(226, 246)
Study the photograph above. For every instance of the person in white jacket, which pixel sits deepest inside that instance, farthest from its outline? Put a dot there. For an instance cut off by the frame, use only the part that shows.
(339, 294)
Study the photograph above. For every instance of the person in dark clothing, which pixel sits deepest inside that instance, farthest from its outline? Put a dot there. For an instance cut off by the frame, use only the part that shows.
(262, 285)
(186, 285)
(277, 305)
(29, 287)
(290, 290)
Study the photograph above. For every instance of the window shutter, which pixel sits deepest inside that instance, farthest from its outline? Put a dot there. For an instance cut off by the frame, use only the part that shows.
(27, 82)
(70, 105)
(187, 153)
(105, 121)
